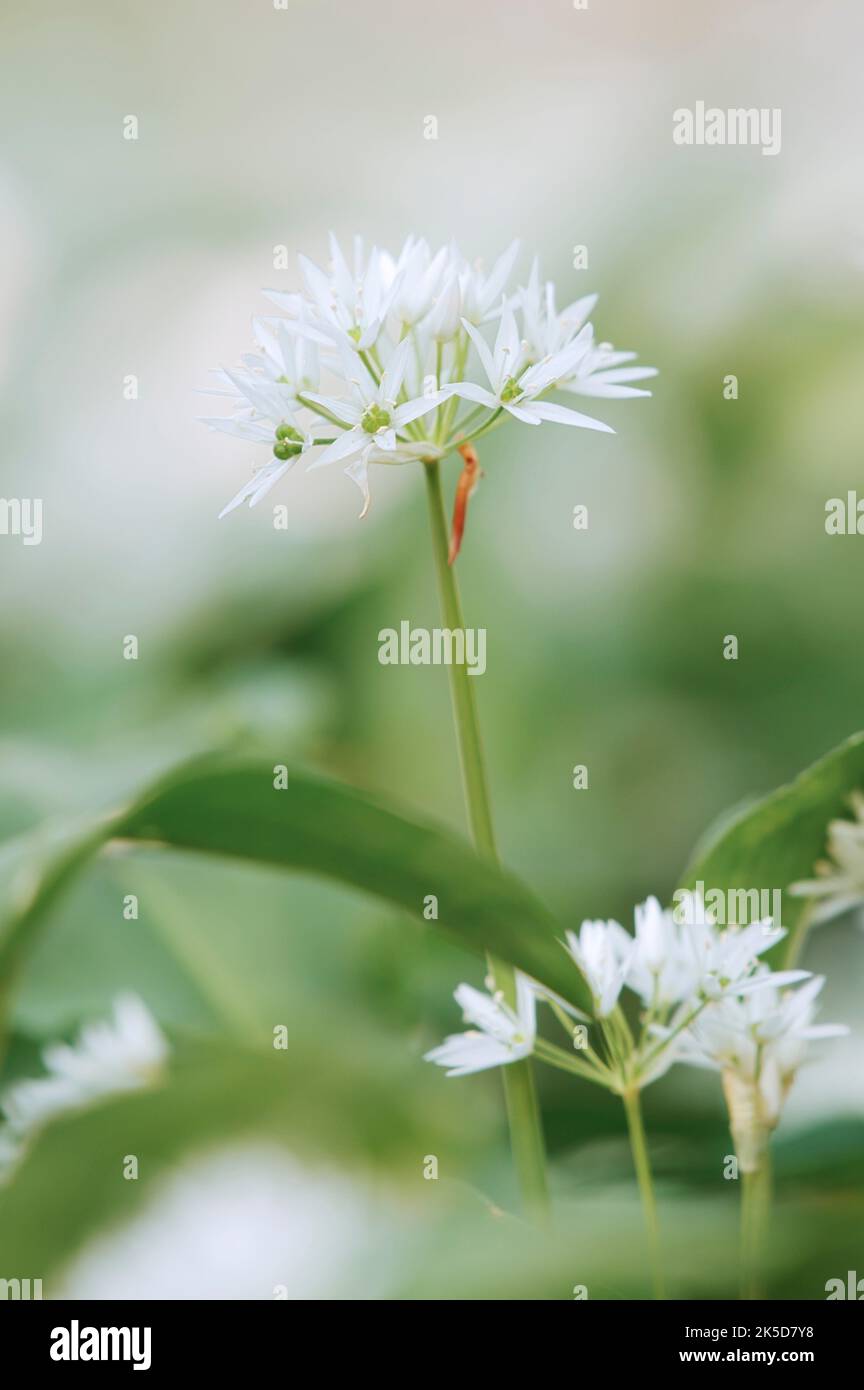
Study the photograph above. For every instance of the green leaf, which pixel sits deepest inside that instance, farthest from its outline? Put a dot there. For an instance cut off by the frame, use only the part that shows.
(324, 828)
(772, 843)
(34, 870)
(312, 826)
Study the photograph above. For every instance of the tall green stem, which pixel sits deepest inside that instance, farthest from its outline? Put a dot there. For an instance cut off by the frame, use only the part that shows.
(755, 1209)
(641, 1163)
(523, 1113)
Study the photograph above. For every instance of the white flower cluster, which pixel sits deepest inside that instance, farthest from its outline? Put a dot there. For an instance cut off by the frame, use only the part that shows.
(398, 345)
(707, 999)
(839, 885)
(124, 1054)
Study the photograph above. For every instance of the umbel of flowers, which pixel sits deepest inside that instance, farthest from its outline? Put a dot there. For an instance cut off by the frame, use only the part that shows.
(703, 997)
(387, 359)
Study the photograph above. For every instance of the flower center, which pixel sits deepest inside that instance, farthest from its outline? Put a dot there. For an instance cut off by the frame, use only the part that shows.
(375, 418)
(511, 390)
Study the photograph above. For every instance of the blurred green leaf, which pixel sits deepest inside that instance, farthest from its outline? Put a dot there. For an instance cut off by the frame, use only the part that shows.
(371, 1107)
(313, 826)
(325, 828)
(772, 843)
(34, 870)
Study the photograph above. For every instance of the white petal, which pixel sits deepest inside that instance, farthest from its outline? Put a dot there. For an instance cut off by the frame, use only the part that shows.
(413, 410)
(526, 413)
(344, 410)
(563, 415)
(349, 443)
(485, 355)
(469, 392)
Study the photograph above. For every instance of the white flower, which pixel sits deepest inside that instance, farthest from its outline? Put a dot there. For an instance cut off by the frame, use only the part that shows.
(661, 968)
(725, 960)
(500, 1034)
(291, 442)
(124, 1054)
(840, 882)
(602, 951)
(352, 304)
(547, 331)
(760, 1038)
(515, 385)
(373, 422)
(417, 280)
(481, 293)
(600, 373)
(370, 347)
(442, 322)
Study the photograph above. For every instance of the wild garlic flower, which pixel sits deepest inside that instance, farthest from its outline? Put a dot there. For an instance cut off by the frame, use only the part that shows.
(408, 373)
(675, 956)
(757, 1041)
(123, 1054)
(839, 885)
(679, 964)
(602, 951)
(725, 960)
(371, 424)
(500, 1034)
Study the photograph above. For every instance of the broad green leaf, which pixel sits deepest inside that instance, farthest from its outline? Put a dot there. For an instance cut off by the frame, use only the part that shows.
(34, 870)
(772, 843)
(324, 828)
(312, 826)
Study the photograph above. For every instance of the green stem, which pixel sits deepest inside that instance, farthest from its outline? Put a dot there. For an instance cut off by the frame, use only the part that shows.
(641, 1163)
(526, 1135)
(755, 1207)
(795, 943)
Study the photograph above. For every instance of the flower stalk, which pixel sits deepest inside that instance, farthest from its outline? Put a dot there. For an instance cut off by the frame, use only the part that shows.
(523, 1113)
(642, 1164)
(751, 1133)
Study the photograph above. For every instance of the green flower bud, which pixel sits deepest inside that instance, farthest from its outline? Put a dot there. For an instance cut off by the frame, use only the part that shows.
(283, 450)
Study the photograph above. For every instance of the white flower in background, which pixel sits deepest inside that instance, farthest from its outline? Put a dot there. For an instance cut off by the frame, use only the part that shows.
(246, 1221)
(417, 276)
(839, 886)
(481, 293)
(725, 960)
(758, 1042)
(386, 349)
(500, 1034)
(661, 969)
(123, 1054)
(351, 304)
(602, 951)
(546, 331)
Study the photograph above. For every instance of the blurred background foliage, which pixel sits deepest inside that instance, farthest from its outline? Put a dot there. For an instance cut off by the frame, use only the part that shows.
(261, 128)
